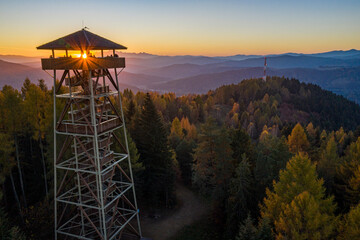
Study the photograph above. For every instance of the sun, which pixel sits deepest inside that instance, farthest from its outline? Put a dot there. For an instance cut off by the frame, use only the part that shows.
(84, 56)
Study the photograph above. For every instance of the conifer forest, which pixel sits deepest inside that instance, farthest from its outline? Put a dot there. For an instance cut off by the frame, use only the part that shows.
(275, 159)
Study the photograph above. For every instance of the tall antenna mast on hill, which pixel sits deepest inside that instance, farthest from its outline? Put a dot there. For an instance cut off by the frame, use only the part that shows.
(265, 64)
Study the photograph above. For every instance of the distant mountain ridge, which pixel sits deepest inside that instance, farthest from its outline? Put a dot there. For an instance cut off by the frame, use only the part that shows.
(344, 81)
(341, 54)
(14, 74)
(337, 70)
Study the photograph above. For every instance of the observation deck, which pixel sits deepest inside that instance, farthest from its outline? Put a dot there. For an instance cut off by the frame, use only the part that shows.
(95, 198)
(89, 63)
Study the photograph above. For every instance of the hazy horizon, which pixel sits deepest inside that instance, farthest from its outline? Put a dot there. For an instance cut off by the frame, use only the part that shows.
(209, 28)
(194, 55)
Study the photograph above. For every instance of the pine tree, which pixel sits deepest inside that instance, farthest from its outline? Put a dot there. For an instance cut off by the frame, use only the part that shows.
(156, 157)
(297, 201)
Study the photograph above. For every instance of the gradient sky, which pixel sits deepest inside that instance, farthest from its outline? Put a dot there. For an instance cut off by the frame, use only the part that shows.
(180, 27)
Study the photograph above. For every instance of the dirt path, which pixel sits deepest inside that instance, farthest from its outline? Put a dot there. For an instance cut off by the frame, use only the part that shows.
(192, 209)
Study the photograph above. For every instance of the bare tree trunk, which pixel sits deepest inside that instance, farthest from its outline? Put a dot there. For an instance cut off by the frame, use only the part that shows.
(43, 163)
(15, 194)
(20, 172)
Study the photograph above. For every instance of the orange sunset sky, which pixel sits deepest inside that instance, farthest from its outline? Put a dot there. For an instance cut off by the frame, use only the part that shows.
(175, 27)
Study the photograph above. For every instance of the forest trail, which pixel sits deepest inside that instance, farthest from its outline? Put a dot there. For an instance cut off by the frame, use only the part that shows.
(191, 209)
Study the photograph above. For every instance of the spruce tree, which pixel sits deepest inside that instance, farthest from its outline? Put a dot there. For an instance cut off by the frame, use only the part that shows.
(240, 200)
(264, 231)
(156, 157)
(184, 155)
(214, 164)
(240, 144)
(130, 111)
(328, 163)
(136, 166)
(272, 156)
(347, 180)
(247, 230)
(205, 157)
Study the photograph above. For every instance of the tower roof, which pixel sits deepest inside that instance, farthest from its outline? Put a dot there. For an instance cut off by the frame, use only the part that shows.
(81, 40)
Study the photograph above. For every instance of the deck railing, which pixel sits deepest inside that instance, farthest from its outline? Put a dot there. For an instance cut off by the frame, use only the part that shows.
(90, 63)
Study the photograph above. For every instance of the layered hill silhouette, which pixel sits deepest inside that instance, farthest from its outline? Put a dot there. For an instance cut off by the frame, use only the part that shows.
(14, 74)
(337, 71)
(338, 80)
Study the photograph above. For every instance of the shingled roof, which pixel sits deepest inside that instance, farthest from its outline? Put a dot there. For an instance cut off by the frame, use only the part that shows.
(81, 40)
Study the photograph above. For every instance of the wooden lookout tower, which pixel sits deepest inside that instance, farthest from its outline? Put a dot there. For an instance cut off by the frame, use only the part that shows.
(94, 190)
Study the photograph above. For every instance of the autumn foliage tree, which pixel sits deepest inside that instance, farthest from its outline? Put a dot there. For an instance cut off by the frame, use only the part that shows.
(13, 125)
(297, 140)
(297, 206)
(35, 99)
(232, 167)
(176, 133)
(349, 226)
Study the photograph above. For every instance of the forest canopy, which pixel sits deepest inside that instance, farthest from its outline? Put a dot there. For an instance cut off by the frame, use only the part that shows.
(274, 158)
